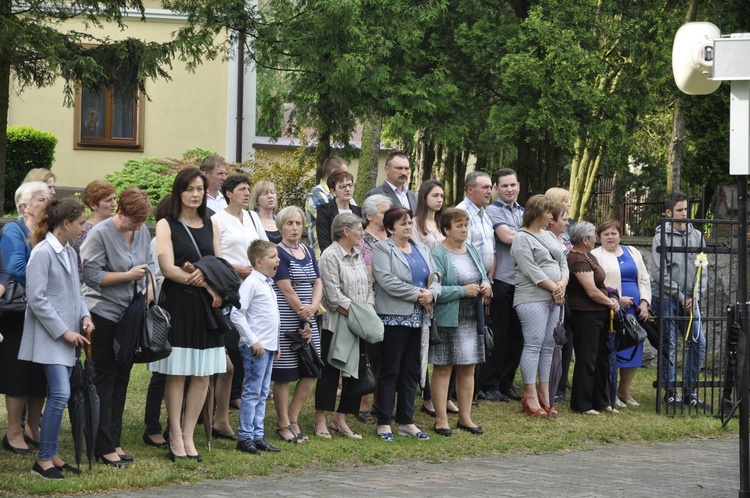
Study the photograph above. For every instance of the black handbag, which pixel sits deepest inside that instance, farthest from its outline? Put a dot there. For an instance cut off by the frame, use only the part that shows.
(128, 328)
(484, 329)
(310, 363)
(366, 383)
(14, 299)
(630, 334)
(434, 333)
(153, 340)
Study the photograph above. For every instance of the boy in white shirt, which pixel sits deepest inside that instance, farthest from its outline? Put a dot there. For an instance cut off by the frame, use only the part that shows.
(258, 324)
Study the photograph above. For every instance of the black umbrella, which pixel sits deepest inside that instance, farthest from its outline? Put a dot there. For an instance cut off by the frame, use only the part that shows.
(83, 407)
(555, 372)
(612, 346)
(309, 361)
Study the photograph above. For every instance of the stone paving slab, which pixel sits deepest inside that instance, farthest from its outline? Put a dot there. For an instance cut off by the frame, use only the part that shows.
(695, 468)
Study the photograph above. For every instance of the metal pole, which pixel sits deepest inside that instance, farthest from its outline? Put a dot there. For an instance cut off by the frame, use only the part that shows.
(742, 300)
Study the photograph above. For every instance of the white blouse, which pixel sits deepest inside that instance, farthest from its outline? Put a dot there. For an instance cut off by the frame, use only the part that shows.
(236, 237)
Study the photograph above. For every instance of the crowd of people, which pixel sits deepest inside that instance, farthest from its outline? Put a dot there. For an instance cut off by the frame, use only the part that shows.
(390, 286)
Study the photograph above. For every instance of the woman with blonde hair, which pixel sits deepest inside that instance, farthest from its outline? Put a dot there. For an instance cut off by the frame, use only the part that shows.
(264, 200)
(41, 175)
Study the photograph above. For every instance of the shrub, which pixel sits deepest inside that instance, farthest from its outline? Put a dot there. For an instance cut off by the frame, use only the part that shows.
(293, 176)
(28, 148)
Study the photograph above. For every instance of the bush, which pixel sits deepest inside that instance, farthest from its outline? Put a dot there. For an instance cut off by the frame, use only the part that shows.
(293, 176)
(28, 148)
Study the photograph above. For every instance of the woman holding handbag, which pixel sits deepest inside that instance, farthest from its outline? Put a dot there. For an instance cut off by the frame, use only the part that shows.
(627, 273)
(197, 350)
(22, 382)
(345, 280)
(55, 313)
(403, 300)
(299, 292)
(115, 254)
(461, 346)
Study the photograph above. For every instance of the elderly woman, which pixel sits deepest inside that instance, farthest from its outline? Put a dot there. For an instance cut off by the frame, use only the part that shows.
(373, 209)
(22, 382)
(464, 281)
(403, 299)
(345, 281)
(558, 226)
(238, 228)
(99, 196)
(184, 236)
(116, 254)
(341, 185)
(55, 314)
(264, 200)
(626, 272)
(41, 175)
(299, 292)
(590, 305)
(541, 276)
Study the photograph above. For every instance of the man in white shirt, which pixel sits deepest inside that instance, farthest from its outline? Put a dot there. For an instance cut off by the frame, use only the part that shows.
(481, 234)
(215, 169)
(397, 174)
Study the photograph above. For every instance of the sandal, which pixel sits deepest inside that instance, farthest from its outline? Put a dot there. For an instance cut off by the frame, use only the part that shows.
(350, 434)
(298, 433)
(385, 436)
(366, 417)
(324, 434)
(294, 439)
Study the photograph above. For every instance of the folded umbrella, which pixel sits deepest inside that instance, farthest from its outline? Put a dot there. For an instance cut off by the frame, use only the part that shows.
(207, 412)
(555, 372)
(83, 406)
(309, 361)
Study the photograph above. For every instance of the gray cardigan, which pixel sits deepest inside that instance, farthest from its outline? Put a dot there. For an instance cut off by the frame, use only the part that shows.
(394, 292)
(56, 305)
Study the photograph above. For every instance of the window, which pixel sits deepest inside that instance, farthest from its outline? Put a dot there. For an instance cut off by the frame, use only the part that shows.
(109, 120)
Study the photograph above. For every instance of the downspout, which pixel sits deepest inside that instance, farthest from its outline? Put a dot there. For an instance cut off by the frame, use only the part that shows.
(240, 95)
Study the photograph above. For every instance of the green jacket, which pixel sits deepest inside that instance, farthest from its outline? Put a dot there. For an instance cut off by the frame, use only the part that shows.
(446, 308)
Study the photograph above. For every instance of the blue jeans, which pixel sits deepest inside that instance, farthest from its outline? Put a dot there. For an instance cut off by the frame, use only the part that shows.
(696, 344)
(58, 393)
(254, 393)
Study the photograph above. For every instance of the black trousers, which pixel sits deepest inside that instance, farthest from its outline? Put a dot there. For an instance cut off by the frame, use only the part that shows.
(399, 374)
(590, 331)
(501, 366)
(154, 398)
(328, 383)
(111, 381)
(567, 354)
(232, 341)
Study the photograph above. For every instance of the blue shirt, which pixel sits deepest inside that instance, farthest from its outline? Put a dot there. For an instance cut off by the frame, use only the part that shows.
(502, 214)
(420, 270)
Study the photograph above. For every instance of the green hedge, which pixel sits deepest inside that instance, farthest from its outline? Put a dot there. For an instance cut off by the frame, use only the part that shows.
(28, 148)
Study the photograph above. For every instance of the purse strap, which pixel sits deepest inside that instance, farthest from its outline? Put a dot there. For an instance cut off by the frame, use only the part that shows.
(191, 238)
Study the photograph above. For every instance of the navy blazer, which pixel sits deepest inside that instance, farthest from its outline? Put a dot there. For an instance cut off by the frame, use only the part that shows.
(326, 214)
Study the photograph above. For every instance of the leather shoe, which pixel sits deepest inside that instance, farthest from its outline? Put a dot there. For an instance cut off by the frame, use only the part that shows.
(248, 447)
(17, 451)
(126, 458)
(492, 396)
(426, 410)
(220, 435)
(443, 431)
(511, 393)
(263, 445)
(477, 430)
(150, 442)
(118, 464)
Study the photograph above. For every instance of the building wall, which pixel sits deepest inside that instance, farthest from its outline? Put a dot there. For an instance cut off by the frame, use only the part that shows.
(189, 111)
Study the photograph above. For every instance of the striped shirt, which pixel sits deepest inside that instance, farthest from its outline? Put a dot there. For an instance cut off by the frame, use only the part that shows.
(481, 233)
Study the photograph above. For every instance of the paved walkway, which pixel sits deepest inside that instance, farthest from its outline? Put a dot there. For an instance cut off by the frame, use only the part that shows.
(695, 468)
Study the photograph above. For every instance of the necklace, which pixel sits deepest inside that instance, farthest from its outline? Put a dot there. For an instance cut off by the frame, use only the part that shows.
(288, 246)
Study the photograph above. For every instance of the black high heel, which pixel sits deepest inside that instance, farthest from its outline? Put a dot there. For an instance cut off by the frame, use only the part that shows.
(118, 464)
(174, 457)
(13, 449)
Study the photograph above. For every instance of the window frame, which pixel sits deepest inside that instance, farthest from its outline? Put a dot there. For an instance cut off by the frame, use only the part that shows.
(134, 144)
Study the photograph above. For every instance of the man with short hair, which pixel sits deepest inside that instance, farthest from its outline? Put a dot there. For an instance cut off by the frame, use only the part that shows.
(321, 194)
(215, 169)
(397, 173)
(673, 295)
(478, 188)
(506, 215)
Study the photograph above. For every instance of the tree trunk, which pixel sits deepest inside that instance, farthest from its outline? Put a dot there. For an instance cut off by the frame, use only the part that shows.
(367, 173)
(450, 192)
(4, 105)
(428, 158)
(583, 171)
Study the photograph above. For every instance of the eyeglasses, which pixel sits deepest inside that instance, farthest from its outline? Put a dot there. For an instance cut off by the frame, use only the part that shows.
(345, 186)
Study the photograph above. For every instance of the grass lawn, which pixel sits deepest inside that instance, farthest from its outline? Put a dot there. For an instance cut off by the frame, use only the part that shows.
(506, 431)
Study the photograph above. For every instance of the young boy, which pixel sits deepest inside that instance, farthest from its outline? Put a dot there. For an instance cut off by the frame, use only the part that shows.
(258, 324)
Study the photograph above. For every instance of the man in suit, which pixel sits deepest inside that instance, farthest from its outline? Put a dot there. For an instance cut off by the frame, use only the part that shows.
(397, 173)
